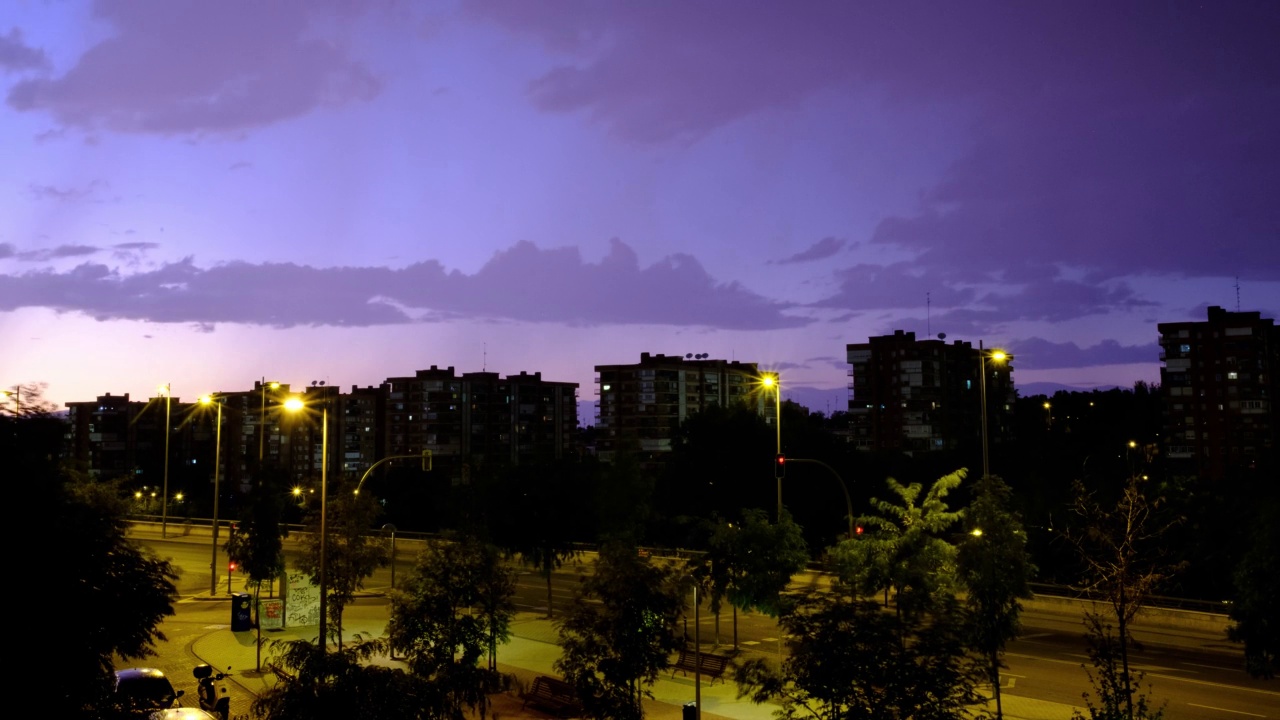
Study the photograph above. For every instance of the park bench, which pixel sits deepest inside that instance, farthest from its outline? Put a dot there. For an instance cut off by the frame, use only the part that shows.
(556, 696)
(709, 664)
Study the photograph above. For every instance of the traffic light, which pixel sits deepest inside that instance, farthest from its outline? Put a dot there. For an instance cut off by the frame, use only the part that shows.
(426, 461)
(231, 567)
(857, 530)
(779, 466)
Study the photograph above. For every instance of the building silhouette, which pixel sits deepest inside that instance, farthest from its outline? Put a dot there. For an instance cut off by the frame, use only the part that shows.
(912, 395)
(1218, 381)
(642, 405)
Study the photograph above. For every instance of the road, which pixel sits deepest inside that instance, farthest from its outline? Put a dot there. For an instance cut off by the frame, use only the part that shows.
(1196, 673)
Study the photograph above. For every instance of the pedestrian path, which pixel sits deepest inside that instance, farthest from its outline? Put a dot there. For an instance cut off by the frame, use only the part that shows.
(531, 652)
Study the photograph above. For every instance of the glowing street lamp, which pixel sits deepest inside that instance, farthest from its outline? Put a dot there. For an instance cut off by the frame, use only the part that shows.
(295, 404)
(774, 380)
(217, 463)
(167, 389)
(995, 356)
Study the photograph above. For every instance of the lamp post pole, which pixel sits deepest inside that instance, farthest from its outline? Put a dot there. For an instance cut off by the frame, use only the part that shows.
(324, 540)
(217, 464)
(982, 386)
(775, 381)
(998, 356)
(164, 501)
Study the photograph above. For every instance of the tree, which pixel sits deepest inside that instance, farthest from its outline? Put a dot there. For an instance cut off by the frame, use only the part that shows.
(1255, 614)
(996, 570)
(619, 631)
(904, 549)
(751, 563)
(454, 606)
(1120, 547)
(255, 545)
(852, 659)
(542, 505)
(108, 595)
(352, 554)
(313, 683)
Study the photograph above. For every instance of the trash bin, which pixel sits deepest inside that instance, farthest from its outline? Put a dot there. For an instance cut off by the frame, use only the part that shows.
(690, 711)
(241, 614)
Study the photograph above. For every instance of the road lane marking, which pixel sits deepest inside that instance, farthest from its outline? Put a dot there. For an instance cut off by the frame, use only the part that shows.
(1237, 688)
(1237, 712)
(1212, 667)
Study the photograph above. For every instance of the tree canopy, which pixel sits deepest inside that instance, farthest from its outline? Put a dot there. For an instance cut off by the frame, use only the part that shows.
(619, 631)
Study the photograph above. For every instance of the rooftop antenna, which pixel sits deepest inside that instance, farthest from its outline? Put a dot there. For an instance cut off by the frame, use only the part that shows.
(1237, 293)
(928, 314)
(484, 361)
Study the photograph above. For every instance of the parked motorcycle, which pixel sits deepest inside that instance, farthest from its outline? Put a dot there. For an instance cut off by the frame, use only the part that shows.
(212, 691)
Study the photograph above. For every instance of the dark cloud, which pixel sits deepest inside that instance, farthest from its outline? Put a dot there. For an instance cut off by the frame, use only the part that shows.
(1113, 139)
(7, 250)
(17, 56)
(136, 245)
(522, 283)
(242, 165)
(821, 250)
(900, 285)
(1040, 354)
(65, 194)
(190, 66)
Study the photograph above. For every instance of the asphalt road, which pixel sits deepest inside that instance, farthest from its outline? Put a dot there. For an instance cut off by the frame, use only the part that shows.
(1197, 675)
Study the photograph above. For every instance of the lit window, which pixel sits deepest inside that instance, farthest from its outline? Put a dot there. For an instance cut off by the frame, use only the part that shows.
(1231, 376)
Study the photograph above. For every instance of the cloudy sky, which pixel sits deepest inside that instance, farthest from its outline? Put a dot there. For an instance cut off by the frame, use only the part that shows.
(206, 193)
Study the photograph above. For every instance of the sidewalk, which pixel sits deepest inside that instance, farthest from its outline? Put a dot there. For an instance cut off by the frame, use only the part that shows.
(530, 653)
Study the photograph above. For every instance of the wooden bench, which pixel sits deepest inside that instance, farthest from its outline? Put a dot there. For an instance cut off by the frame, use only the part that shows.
(556, 696)
(709, 664)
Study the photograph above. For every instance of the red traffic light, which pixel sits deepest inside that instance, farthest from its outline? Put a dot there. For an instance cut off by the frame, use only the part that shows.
(857, 530)
(779, 466)
(231, 566)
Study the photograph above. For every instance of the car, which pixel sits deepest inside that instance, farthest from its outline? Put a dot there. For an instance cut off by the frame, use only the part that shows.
(144, 690)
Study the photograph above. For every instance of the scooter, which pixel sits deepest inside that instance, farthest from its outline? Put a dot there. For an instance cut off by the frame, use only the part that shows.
(212, 691)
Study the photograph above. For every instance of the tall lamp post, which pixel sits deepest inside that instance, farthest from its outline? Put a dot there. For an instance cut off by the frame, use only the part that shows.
(217, 463)
(996, 356)
(295, 404)
(774, 380)
(167, 389)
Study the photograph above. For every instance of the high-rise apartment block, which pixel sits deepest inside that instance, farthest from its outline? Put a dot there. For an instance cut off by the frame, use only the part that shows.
(463, 420)
(925, 395)
(641, 406)
(480, 417)
(1219, 385)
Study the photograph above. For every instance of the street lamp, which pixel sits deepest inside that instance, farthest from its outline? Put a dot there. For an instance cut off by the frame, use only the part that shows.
(774, 380)
(168, 430)
(217, 463)
(294, 404)
(995, 356)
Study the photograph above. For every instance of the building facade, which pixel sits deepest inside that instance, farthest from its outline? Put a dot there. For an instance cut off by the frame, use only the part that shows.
(641, 406)
(913, 395)
(479, 417)
(1218, 379)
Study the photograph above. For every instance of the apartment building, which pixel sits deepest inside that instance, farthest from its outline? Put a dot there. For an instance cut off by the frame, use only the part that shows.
(642, 405)
(479, 417)
(914, 395)
(1218, 379)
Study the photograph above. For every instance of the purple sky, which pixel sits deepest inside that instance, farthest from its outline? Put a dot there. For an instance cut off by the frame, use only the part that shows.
(206, 193)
